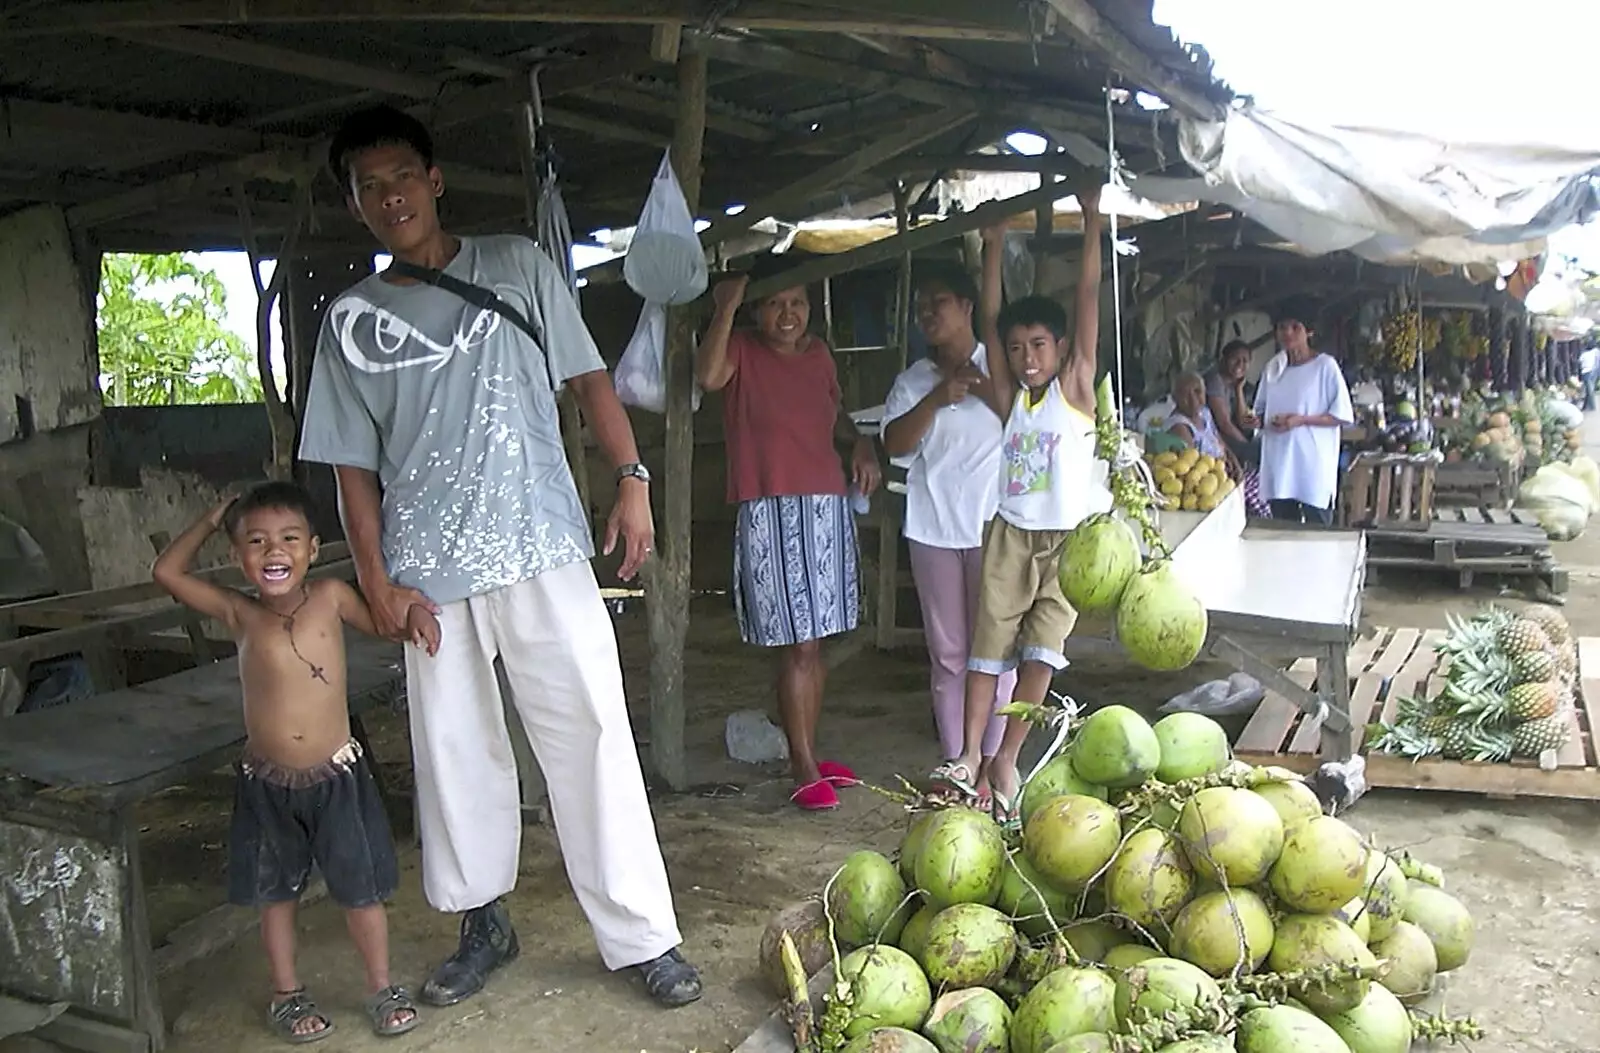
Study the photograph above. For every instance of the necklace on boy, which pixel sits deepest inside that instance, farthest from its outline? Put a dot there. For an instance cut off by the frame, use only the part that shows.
(288, 625)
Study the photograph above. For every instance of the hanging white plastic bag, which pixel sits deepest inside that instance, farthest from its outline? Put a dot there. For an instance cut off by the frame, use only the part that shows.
(640, 377)
(665, 263)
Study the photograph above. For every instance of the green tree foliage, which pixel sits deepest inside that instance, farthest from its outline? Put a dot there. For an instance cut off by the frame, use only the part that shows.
(163, 341)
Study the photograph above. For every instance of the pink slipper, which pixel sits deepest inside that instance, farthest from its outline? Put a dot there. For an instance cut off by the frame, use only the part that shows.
(816, 796)
(837, 774)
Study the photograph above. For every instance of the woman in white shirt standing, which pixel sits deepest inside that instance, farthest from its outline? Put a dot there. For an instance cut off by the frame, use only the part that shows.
(1304, 402)
(939, 426)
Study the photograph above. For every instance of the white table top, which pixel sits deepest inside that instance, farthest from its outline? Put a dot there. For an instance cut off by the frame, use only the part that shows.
(1308, 578)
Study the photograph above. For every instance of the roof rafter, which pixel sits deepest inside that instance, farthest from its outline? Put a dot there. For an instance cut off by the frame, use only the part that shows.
(1100, 34)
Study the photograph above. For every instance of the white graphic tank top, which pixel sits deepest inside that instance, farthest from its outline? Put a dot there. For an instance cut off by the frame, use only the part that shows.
(1050, 478)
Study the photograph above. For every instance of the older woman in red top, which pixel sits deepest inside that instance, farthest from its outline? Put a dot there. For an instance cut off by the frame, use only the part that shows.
(795, 567)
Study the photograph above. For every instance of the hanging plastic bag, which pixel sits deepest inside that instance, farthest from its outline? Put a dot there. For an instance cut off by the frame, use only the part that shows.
(641, 374)
(665, 263)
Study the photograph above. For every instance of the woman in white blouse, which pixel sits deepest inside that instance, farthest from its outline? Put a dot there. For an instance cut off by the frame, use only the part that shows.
(1303, 402)
(939, 426)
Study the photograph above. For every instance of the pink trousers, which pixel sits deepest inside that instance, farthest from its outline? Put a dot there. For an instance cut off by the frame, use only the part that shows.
(947, 588)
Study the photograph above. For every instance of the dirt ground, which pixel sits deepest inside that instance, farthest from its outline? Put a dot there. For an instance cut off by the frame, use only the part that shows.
(1529, 870)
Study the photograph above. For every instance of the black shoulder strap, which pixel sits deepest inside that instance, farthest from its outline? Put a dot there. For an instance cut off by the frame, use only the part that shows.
(479, 296)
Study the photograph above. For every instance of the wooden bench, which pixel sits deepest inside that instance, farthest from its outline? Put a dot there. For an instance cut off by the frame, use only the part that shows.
(71, 891)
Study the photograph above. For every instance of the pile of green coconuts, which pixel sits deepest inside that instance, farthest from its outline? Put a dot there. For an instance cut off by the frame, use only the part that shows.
(1162, 898)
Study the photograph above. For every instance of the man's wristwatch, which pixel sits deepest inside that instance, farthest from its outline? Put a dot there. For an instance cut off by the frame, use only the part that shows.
(633, 471)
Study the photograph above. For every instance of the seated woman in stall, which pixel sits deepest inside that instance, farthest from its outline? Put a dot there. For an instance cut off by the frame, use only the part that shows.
(1192, 423)
(1230, 405)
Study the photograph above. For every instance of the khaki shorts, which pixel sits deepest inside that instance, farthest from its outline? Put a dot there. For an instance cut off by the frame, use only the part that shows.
(1022, 615)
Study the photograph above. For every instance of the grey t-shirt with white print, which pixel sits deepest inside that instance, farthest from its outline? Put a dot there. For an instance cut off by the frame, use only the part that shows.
(452, 407)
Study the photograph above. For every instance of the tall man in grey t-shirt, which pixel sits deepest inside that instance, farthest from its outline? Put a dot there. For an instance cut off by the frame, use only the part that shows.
(440, 420)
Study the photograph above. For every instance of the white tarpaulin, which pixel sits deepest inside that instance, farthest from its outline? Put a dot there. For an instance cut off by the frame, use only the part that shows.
(1387, 196)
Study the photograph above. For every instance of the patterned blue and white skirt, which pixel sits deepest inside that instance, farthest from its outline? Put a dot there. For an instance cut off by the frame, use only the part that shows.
(796, 573)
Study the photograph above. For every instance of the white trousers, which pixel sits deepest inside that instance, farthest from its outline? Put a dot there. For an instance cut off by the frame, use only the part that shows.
(555, 638)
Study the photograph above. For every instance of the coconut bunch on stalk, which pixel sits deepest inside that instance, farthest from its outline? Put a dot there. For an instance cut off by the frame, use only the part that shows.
(1507, 691)
(1164, 898)
(1160, 622)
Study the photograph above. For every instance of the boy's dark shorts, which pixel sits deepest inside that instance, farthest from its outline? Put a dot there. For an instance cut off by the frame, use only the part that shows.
(284, 820)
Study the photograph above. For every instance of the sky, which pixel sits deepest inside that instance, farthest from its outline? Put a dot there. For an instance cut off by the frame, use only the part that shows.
(1459, 69)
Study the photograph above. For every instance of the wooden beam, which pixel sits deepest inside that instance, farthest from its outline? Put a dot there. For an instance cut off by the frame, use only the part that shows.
(161, 137)
(665, 40)
(1099, 34)
(805, 189)
(667, 594)
(1041, 164)
(628, 98)
(957, 20)
(891, 247)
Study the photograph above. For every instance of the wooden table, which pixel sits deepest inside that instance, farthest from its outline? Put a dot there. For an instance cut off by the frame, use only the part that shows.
(72, 907)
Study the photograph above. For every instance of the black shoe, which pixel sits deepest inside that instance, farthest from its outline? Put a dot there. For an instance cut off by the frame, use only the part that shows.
(487, 942)
(670, 980)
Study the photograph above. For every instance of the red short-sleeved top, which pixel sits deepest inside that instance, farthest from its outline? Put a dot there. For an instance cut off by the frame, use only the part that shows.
(779, 413)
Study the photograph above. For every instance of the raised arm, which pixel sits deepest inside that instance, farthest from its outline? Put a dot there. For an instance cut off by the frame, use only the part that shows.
(1077, 379)
(711, 365)
(172, 571)
(1002, 386)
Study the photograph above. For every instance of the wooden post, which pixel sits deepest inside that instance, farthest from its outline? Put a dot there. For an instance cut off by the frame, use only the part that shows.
(892, 512)
(667, 589)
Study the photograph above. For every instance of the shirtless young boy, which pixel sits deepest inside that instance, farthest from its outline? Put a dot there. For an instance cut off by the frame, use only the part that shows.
(304, 792)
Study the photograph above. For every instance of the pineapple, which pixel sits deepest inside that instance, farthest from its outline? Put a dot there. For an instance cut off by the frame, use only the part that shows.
(1403, 739)
(1522, 636)
(1534, 701)
(1456, 741)
(1567, 659)
(1477, 673)
(1536, 736)
(1535, 667)
(1552, 621)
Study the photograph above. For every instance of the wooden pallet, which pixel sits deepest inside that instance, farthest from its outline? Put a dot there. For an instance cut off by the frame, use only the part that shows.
(1392, 491)
(1396, 663)
(1485, 514)
(1471, 541)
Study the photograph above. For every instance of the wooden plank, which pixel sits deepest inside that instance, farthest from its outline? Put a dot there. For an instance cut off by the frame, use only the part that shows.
(1270, 724)
(667, 597)
(1380, 503)
(1413, 674)
(216, 929)
(1510, 780)
(1308, 736)
(1589, 692)
(1098, 34)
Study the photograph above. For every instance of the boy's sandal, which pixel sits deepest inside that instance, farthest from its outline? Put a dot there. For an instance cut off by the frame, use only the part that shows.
(296, 1007)
(956, 776)
(1006, 811)
(382, 1007)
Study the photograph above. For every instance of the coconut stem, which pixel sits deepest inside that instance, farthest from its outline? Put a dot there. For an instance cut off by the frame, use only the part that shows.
(1175, 794)
(1454, 1030)
(1280, 987)
(1416, 870)
(840, 998)
(798, 1009)
(1149, 1032)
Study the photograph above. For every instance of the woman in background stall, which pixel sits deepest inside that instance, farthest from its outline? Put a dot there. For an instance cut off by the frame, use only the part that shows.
(796, 571)
(1304, 403)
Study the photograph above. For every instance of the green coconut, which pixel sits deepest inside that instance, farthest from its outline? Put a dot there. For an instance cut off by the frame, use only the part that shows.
(914, 936)
(1155, 987)
(1150, 878)
(1207, 932)
(1380, 1024)
(1354, 914)
(1306, 941)
(961, 859)
(807, 925)
(1065, 1003)
(1127, 955)
(1161, 623)
(1024, 895)
(1056, 779)
(1385, 895)
(1071, 839)
(969, 945)
(916, 834)
(1285, 1029)
(1093, 940)
(887, 988)
(1090, 1042)
(1445, 920)
(1231, 836)
(1412, 962)
(1100, 556)
(1322, 866)
(975, 1020)
(889, 1040)
(1293, 799)
(1192, 745)
(866, 900)
(1115, 747)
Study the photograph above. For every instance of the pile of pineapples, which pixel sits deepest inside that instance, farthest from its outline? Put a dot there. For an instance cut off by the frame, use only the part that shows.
(1508, 691)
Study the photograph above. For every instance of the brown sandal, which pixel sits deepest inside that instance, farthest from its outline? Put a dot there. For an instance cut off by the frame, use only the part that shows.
(296, 1006)
(382, 1007)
